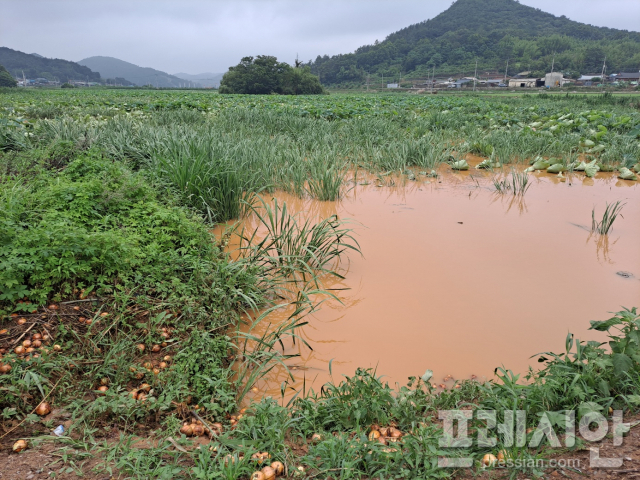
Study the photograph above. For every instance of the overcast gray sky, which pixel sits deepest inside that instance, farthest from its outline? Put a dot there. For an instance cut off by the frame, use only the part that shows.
(195, 36)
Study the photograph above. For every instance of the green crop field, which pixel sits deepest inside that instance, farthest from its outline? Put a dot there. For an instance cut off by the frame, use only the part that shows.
(131, 306)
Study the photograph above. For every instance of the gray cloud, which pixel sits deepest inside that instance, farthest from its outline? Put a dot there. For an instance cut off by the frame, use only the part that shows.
(195, 36)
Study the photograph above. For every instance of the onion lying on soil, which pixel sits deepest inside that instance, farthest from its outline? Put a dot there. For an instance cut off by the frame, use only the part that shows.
(269, 473)
(20, 445)
(489, 460)
(278, 467)
(43, 409)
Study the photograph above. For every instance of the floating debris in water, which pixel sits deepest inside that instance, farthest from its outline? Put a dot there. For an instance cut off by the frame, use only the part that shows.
(625, 274)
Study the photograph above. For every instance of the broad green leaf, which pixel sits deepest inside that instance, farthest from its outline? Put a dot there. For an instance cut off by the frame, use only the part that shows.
(621, 363)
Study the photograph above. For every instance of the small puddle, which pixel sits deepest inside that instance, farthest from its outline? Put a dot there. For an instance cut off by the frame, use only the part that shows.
(461, 280)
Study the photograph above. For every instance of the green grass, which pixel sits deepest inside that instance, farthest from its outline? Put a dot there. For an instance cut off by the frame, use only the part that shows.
(609, 216)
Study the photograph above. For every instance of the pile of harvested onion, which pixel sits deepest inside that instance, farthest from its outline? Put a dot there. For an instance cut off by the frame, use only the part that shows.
(276, 469)
(197, 429)
(384, 435)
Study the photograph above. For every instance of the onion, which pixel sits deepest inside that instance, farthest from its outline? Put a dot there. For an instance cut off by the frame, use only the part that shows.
(217, 427)
(316, 437)
(46, 338)
(53, 307)
(88, 321)
(198, 430)
(165, 334)
(82, 319)
(384, 431)
(36, 344)
(104, 381)
(37, 336)
(4, 331)
(502, 455)
(258, 476)
(156, 371)
(382, 441)
(6, 368)
(30, 349)
(20, 445)
(22, 321)
(140, 347)
(163, 344)
(145, 387)
(269, 473)
(278, 467)
(155, 348)
(394, 432)
(19, 350)
(57, 348)
(142, 397)
(134, 394)
(374, 435)
(167, 358)
(76, 308)
(147, 365)
(163, 365)
(489, 460)
(43, 409)
(26, 343)
(187, 430)
(104, 314)
(103, 388)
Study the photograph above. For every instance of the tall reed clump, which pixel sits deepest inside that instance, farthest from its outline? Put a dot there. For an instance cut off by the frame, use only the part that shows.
(517, 183)
(611, 212)
(212, 187)
(290, 251)
(325, 184)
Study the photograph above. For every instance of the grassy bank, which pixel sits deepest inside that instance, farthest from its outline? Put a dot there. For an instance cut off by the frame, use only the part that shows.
(132, 307)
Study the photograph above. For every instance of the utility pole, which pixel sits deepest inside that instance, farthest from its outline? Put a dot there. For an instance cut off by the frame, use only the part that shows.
(604, 67)
(433, 77)
(505, 72)
(475, 75)
(553, 62)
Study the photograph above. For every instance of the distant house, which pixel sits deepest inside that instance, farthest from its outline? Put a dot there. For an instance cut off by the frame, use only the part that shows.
(392, 85)
(589, 78)
(628, 77)
(523, 75)
(493, 83)
(525, 83)
(460, 83)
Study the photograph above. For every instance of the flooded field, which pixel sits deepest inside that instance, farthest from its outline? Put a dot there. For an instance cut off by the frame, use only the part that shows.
(459, 279)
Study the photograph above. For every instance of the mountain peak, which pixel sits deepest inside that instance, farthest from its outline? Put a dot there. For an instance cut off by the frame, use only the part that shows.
(491, 32)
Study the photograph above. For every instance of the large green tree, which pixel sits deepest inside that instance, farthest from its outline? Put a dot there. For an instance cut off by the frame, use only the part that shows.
(265, 75)
(6, 80)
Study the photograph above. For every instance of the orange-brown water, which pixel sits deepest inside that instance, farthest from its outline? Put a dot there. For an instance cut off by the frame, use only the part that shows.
(461, 280)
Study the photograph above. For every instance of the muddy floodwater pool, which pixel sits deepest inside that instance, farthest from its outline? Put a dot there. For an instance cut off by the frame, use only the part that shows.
(459, 279)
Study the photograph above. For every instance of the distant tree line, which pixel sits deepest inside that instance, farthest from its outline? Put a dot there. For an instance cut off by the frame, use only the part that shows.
(265, 75)
(491, 32)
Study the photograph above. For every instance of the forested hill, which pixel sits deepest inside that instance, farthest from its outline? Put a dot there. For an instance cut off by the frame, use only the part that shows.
(491, 31)
(110, 67)
(36, 66)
